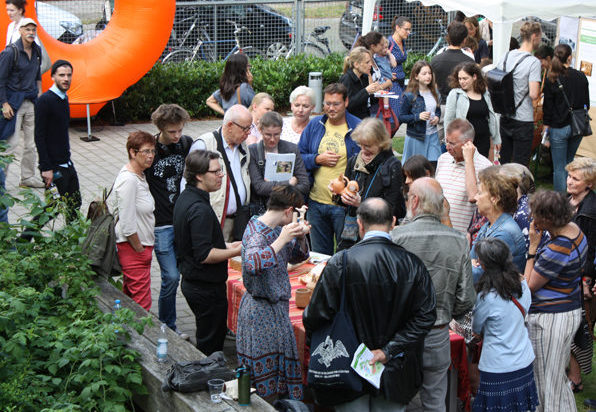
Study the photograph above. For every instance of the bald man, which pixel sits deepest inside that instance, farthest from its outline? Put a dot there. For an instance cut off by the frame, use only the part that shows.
(230, 202)
(445, 253)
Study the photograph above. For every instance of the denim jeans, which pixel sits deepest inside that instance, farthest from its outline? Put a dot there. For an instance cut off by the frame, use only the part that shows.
(3, 211)
(170, 276)
(562, 148)
(325, 221)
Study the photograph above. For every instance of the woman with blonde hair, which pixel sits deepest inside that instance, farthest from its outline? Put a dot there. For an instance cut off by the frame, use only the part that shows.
(580, 187)
(377, 171)
(356, 78)
(261, 104)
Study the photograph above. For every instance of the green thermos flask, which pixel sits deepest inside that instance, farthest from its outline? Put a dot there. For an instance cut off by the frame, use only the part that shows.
(243, 376)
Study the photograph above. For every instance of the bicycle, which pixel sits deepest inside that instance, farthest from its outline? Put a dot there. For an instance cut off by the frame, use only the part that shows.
(311, 46)
(205, 47)
(441, 41)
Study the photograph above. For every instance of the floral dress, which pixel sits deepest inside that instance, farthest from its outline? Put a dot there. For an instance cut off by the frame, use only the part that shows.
(401, 58)
(265, 340)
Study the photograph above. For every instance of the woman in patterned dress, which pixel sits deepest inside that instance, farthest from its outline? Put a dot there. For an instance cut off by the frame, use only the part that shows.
(402, 27)
(265, 341)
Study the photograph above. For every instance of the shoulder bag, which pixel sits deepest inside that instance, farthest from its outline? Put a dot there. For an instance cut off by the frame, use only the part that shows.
(332, 348)
(242, 211)
(580, 119)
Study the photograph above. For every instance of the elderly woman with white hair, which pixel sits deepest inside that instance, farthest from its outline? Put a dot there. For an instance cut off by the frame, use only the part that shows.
(302, 102)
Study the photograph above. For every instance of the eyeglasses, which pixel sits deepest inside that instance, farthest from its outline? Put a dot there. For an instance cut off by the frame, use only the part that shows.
(217, 172)
(147, 152)
(243, 128)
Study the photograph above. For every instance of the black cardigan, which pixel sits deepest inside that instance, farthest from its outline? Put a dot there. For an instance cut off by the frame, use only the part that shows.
(357, 94)
(556, 110)
(585, 218)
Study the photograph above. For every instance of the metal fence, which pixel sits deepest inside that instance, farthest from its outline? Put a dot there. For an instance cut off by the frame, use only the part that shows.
(211, 30)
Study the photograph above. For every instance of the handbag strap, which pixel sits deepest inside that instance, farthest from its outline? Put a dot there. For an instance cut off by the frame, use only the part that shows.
(519, 306)
(238, 95)
(564, 94)
(229, 174)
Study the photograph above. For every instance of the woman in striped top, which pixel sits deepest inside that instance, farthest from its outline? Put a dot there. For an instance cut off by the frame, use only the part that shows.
(553, 273)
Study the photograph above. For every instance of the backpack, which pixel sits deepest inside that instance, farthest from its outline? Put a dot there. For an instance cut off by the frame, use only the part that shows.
(100, 241)
(500, 87)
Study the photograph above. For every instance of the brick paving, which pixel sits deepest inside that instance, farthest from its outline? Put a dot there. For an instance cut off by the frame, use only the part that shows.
(97, 165)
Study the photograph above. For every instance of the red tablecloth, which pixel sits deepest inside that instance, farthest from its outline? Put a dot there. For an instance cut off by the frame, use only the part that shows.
(236, 290)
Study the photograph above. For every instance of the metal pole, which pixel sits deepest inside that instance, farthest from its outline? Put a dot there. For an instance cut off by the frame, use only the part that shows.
(299, 29)
(89, 137)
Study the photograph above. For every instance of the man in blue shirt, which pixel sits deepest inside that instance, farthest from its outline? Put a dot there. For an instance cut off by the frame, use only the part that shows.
(20, 85)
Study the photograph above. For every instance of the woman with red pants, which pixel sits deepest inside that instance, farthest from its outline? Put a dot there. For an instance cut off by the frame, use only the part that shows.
(134, 229)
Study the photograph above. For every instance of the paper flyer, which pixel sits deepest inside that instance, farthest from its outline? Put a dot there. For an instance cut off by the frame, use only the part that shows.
(279, 167)
(371, 373)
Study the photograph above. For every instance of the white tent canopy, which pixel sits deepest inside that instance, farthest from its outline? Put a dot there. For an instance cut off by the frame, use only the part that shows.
(502, 13)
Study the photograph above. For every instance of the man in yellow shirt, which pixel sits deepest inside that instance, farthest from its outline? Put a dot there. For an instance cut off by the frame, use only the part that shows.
(325, 146)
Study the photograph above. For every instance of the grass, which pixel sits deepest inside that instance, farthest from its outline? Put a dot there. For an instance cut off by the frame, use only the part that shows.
(589, 391)
(315, 11)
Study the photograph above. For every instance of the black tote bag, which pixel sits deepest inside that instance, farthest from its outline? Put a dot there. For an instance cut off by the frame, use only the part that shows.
(332, 348)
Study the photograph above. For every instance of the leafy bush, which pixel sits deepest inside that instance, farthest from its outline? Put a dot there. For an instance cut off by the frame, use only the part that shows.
(190, 84)
(58, 351)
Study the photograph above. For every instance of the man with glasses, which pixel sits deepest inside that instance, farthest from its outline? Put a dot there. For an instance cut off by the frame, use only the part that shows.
(457, 172)
(202, 251)
(230, 201)
(163, 178)
(326, 146)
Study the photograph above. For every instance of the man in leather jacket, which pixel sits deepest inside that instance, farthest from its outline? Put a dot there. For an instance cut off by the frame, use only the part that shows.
(391, 302)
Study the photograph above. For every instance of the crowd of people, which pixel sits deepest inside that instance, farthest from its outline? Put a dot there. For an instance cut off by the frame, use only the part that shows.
(448, 240)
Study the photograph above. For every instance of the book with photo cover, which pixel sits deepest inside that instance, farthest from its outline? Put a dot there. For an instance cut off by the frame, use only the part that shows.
(279, 167)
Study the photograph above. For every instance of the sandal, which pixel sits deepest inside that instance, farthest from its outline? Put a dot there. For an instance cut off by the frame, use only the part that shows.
(577, 387)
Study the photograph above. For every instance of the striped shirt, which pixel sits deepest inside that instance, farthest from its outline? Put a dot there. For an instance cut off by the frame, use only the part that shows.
(452, 177)
(561, 261)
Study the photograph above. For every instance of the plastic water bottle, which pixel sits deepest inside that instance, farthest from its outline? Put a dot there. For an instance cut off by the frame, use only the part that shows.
(54, 192)
(116, 306)
(162, 345)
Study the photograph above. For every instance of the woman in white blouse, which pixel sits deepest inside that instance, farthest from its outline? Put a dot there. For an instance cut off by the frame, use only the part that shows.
(302, 102)
(136, 222)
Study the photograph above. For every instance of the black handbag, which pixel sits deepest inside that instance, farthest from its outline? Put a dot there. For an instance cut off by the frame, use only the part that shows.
(332, 348)
(580, 119)
(193, 376)
(583, 336)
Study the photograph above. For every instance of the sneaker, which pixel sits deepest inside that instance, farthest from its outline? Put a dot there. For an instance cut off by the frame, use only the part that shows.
(230, 335)
(34, 183)
(182, 335)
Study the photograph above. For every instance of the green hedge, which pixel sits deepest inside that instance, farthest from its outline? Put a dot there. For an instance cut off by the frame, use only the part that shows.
(190, 84)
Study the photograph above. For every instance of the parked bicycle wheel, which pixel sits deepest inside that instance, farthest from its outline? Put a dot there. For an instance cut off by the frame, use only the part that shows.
(253, 52)
(178, 56)
(276, 51)
(311, 49)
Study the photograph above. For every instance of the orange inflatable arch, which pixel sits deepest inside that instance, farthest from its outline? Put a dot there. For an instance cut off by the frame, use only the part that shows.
(107, 65)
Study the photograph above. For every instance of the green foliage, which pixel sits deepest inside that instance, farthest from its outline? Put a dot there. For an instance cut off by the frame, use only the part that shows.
(58, 351)
(413, 58)
(190, 84)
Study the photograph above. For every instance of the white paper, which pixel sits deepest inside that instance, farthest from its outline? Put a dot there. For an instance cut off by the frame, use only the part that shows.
(279, 167)
(360, 363)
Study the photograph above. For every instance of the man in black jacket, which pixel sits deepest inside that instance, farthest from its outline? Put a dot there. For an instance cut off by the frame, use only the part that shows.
(52, 117)
(391, 302)
(201, 251)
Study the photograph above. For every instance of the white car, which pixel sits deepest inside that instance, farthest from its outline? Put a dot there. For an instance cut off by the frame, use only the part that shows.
(59, 23)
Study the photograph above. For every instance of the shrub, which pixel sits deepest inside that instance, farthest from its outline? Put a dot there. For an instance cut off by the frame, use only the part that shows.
(190, 84)
(58, 351)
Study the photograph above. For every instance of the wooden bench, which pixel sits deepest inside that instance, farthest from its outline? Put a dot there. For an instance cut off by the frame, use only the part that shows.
(154, 372)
